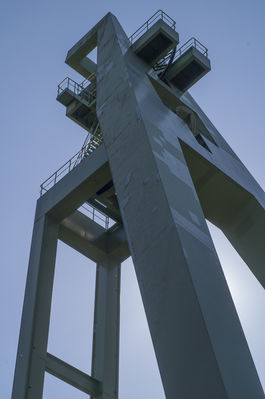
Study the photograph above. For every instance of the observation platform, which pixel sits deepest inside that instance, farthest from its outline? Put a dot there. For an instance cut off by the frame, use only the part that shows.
(156, 41)
(157, 38)
(79, 100)
(190, 64)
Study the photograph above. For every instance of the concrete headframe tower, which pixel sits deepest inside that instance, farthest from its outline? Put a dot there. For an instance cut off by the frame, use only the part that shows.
(156, 167)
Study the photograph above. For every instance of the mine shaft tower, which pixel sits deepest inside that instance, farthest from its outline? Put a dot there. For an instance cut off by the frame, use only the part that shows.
(152, 168)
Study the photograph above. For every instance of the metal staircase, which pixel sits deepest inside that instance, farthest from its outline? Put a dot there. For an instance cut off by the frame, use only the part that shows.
(91, 143)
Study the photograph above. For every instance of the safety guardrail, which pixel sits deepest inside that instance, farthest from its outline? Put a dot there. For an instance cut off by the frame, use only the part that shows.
(93, 213)
(192, 42)
(150, 22)
(97, 216)
(66, 168)
(81, 89)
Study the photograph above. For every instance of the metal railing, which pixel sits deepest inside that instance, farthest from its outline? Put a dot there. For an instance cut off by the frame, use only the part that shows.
(97, 216)
(91, 78)
(150, 22)
(192, 42)
(82, 89)
(163, 63)
(69, 165)
(93, 213)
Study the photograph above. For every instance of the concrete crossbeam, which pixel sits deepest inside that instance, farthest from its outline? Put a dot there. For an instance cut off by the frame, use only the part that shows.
(80, 184)
(90, 239)
(72, 376)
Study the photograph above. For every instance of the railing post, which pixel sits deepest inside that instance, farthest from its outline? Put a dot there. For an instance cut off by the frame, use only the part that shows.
(107, 222)
(55, 177)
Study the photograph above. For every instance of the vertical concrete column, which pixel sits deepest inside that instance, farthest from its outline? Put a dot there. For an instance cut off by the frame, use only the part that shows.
(198, 340)
(32, 347)
(105, 357)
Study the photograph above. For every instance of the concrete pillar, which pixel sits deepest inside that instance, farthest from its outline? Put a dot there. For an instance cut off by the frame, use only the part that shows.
(32, 347)
(105, 357)
(198, 340)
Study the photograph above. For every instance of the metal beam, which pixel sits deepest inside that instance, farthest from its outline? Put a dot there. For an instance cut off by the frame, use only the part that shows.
(72, 375)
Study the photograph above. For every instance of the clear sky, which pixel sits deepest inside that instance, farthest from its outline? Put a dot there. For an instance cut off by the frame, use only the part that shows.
(37, 138)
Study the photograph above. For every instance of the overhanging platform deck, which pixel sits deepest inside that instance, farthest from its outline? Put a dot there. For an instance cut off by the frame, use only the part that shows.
(80, 102)
(156, 42)
(188, 69)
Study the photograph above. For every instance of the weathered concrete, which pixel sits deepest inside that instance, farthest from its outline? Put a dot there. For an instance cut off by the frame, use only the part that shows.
(32, 347)
(199, 343)
(76, 187)
(56, 219)
(105, 358)
(166, 181)
(90, 239)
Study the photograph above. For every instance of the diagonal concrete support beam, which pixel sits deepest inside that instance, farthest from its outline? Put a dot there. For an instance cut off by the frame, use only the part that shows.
(199, 343)
(72, 376)
(232, 208)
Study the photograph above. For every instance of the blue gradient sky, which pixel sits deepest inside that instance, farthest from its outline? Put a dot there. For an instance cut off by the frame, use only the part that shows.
(36, 138)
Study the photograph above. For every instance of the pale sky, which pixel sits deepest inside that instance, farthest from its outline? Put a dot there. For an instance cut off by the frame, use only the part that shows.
(37, 139)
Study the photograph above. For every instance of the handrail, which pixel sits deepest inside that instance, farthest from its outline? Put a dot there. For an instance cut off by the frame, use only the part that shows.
(53, 179)
(150, 22)
(68, 166)
(96, 133)
(91, 78)
(81, 90)
(69, 83)
(96, 214)
(192, 42)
